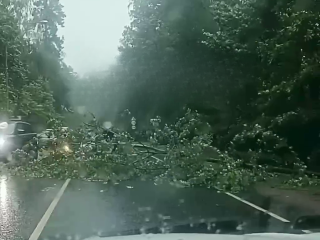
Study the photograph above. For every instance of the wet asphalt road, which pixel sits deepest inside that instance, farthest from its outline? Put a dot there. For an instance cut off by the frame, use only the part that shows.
(22, 204)
(94, 208)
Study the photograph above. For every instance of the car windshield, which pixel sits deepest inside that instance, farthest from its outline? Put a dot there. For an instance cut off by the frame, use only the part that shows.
(159, 116)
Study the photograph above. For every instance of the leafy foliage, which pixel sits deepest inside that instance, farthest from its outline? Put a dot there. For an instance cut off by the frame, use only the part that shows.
(249, 68)
(28, 60)
(87, 153)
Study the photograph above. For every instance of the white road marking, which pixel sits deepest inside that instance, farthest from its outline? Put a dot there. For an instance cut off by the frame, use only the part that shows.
(38, 230)
(258, 208)
(254, 206)
(263, 210)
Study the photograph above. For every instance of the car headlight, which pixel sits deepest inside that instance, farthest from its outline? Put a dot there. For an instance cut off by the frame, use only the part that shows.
(66, 148)
(2, 142)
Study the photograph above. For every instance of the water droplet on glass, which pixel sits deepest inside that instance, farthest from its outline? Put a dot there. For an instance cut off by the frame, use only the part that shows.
(208, 226)
(240, 227)
(107, 125)
(142, 209)
(81, 110)
(77, 237)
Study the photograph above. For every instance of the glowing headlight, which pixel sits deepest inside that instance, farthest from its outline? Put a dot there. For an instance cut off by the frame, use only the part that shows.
(2, 141)
(66, 148)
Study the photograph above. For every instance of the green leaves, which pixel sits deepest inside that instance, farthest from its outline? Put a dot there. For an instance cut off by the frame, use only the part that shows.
(34, 72)
(251, 66)
(91, 156)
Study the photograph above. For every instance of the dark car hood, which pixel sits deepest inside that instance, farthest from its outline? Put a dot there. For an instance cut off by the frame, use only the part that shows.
(190, 236)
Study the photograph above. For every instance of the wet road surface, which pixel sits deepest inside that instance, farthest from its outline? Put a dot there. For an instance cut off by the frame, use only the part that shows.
(22, 204)
(94, 208)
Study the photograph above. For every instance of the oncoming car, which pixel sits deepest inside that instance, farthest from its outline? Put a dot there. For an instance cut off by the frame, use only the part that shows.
(13, 136)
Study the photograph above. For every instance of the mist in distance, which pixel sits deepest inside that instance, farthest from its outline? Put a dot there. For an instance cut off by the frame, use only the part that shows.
(92, 32)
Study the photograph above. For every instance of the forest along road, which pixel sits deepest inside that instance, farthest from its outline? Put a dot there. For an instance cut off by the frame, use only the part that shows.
(41, 209)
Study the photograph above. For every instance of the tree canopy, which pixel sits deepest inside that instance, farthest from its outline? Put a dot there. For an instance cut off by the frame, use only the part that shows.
(249, 68)
(240, 63)
(32, 67)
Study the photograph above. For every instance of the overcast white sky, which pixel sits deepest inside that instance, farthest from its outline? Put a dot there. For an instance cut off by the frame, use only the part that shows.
(92, 32)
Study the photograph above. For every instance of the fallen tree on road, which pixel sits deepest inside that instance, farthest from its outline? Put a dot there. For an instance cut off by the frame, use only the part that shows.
(91, 157)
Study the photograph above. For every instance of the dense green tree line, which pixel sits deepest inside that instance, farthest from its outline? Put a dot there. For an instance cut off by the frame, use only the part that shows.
(250, 66)
(31, 61)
